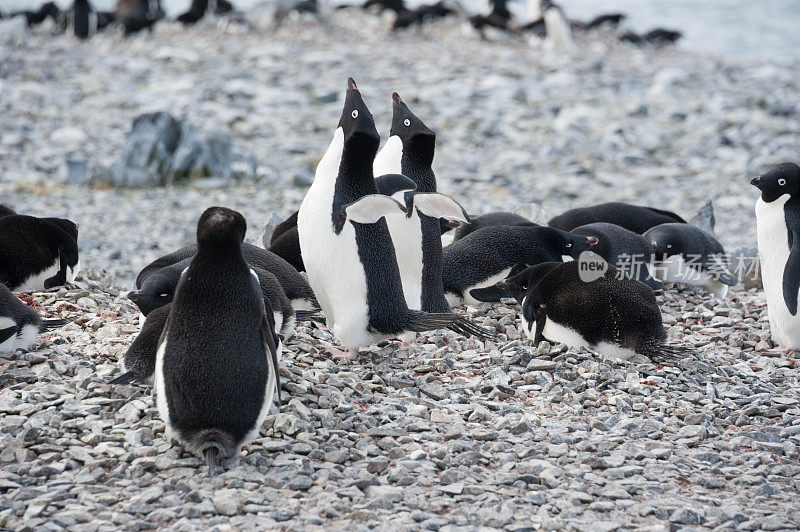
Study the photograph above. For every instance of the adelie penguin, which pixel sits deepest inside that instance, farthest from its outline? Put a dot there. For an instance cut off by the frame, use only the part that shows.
(345, 240)
(294, 285)
(81, 19)
(609, 313)
(688, 255)
(140, 358)
(416, 235)
(631, 217)
(473, 265)
(37, 253)
(778, 226)
(19, 323)
(489, 220)
(217, 360)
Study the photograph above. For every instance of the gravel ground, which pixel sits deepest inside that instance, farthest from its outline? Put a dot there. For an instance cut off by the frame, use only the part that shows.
(451, 433)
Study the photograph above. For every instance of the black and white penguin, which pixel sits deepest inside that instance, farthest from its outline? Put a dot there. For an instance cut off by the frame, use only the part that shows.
(489, 220)
(346, 245)
(408, 154)
(492, 14)
(19, 323)
(473, 265)
(287, 246)
(34, 18)
(196, 11)
(37, 253)
(558, 31)
(159, 288)
(294, 285)
(631, 217)
(778, 225)
(136, 15)
(627, 251)
(217, 360)
(610, 313)
(140, 358)
(688, 255)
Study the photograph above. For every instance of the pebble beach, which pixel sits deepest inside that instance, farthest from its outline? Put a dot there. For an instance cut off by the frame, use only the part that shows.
(452, 433)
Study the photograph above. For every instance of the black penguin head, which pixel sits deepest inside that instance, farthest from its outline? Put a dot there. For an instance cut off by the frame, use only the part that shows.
(783, 179)
(665, 241)
(68, 226)
(517, 286)
(49, 10)
(356, 120)
(411, 130)
(220, 227)
(159, 288)
(564, 243)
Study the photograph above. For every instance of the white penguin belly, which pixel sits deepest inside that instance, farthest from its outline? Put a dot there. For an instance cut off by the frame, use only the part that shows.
(334, 268)
(36, 281)
(558, 34)
(407, 241)
(491, 281)
(675, 269)
(555, 332)
(269, 393)
(773, 252)
(160, 390)
(10, 343)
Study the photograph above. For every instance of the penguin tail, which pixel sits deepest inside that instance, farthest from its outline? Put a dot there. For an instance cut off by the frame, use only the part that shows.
(50, 324)
(668, 353)
(210, 454)
(449, 320)
(466, 327)
(126, 378)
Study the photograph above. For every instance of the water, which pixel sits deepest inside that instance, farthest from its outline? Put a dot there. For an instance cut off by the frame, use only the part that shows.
(756, 30)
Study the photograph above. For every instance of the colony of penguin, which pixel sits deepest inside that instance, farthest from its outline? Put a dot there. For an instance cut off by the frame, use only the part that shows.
(375, 252)
(541, 20)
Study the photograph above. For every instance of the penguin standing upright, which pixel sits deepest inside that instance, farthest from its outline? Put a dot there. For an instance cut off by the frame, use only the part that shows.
(345, 242)
(216, 366)
(82, 19)
(19, 323)
(558, 32)
(778, 224)
(418, 245)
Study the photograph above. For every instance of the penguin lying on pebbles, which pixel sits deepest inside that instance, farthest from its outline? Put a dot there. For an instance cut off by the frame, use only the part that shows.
(688, 255)
(217, 361)
(159, 290)
(487, 256)
(350, 260)
(631, 217)
(489, 220)
(407, 157)
(609, 313)
(627, 251)
(37, 253)
(140, 359)
(778, 227)
(19, 323)
(296, 287)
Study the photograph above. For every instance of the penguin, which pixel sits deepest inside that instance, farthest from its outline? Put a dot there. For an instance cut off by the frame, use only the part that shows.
(492, 14)
(37, 253)
(627, 251)
(558, 32)
(217, 359)
(6, 211)
(140, 358)
(686, 254)
(347, 249)
(33, 18)
(406, 161)
(483, 258)
(82, 19)
(196, 11)
(159, 290)
(136, 15)
(631, 217)
(612, 314)
(287, 247)
(422, 14)
(295, 286)
(655, 37)
(19, 323)
(609, 20)
(778, 227)
(489, 220)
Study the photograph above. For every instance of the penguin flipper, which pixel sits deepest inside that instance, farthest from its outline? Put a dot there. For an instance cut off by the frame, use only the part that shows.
(390, 184)
(791, 275)
(438, 205)
(5, 334)
(367, 210)
(126, 378)
(489, 294)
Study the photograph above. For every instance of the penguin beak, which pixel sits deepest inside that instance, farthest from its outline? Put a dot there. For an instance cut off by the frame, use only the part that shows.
(592, 240)
(757, 182)
(351, 84)
(396, 98)
(452, 224)
(133, 296)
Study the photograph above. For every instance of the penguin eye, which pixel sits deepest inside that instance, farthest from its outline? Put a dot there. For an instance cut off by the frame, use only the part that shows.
(163, 295)
(781, 181)
(669, 246)
(354, 114)
(407, 122)
(569, 244)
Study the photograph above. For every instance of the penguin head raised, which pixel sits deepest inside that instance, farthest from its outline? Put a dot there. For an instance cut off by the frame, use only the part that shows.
(665, 241)
(410, 129)
(220, 227)
(780, 180)
(356, 121)
(566, 244)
